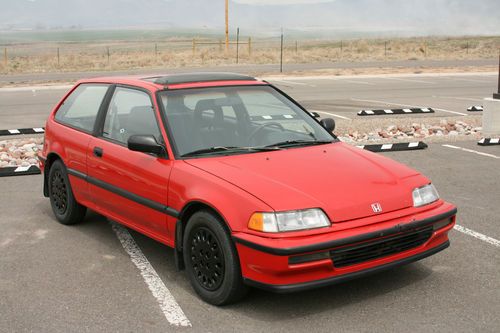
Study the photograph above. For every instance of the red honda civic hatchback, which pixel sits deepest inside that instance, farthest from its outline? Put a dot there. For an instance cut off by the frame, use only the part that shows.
(248, 187)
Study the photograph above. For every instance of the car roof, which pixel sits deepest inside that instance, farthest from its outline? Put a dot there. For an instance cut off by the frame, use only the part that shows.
(179, 81)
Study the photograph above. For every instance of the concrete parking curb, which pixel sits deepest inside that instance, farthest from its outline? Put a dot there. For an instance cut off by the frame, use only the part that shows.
(19, 171)
(475, 108)
(19, 131)
(394, 146)
(489, 142)
(394, 111)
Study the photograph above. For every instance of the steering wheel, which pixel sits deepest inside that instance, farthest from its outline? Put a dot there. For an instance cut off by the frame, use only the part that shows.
(261, 127)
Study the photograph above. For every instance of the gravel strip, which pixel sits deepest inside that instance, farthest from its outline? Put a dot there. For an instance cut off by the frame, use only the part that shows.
(20, 152)
(428, 129)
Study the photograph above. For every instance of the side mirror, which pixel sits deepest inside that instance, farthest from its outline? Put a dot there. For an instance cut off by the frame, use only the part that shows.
(328, 124)
(145, 144)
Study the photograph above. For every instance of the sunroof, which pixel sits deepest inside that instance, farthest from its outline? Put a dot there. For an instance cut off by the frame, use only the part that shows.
(198, 77)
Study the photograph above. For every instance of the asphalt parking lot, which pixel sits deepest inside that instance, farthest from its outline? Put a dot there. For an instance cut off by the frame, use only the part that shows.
(55, 278)
(338, 97)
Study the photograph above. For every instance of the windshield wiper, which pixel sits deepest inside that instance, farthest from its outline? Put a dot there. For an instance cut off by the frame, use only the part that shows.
(291, 143)
(219, 149)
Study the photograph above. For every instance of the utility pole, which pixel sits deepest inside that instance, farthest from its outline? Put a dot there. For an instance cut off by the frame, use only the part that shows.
(497, 95)
(227, 25)
(237, 45)
(281, 53)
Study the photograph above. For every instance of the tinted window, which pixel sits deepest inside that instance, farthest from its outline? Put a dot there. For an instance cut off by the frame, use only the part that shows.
(253, 116)
(81, 107)
(130, 113)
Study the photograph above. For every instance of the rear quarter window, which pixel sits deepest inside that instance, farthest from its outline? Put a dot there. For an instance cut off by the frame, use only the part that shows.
(80, 109)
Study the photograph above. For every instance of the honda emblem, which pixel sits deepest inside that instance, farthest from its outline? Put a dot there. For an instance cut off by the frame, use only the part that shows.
(376, 207)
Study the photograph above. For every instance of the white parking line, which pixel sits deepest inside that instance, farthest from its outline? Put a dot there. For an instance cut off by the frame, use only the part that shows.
(408, 80)
(331, 114)
(358, 82)
(284, 82)
(472, 151)
(168, 304)
(377, 76)
(470, 80)
(477, 235)
(405, 105)
(460, 98)
(35, 88)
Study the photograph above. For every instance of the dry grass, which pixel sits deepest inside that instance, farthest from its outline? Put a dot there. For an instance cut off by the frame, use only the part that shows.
(42, 57)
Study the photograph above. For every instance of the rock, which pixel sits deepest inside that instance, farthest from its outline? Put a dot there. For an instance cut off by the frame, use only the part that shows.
(453, 133)
(385, 135)
(28, 146)
(435, 129)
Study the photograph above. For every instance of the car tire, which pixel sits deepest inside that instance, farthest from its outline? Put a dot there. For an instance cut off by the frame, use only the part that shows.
(64, 205)
(211, 260)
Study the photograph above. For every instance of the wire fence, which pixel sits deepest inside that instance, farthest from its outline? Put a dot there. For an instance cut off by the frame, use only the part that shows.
(211, 51)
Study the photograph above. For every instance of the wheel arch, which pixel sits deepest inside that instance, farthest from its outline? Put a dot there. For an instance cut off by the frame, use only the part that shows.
(187, 211)
(51, 158)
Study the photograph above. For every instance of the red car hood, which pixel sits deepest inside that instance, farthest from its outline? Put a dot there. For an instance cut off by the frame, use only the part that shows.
(342, 180)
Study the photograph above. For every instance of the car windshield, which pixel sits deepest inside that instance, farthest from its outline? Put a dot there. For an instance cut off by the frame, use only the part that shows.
(235, 120)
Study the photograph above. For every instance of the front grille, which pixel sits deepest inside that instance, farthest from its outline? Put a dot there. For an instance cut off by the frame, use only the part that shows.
(355, 254)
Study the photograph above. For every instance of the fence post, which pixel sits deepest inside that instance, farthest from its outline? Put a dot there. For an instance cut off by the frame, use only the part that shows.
(156, 50)
(194, 47)
(281, 55)
(385, 49)
(5, 57)
(237, 45)
(467, 47)
(107, 52)
(249, 46)
(58, 58)
(296, 47)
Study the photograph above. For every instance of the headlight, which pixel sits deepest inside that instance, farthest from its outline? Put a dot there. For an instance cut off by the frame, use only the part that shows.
(424, 195)
(289, 221)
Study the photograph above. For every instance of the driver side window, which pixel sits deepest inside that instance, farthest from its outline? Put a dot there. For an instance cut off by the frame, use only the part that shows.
(130, 113)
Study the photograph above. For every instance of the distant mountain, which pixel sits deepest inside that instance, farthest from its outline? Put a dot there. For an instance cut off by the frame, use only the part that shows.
(408, 17)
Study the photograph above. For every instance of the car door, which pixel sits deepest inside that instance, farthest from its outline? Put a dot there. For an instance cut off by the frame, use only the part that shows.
(77, 115)
(126, 185)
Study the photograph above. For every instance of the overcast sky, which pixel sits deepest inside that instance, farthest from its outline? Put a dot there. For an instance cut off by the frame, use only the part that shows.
(332, 18)
(279, 2)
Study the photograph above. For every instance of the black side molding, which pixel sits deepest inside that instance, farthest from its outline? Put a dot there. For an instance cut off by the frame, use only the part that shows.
(290, 288)
(345, 241)
(126, 194)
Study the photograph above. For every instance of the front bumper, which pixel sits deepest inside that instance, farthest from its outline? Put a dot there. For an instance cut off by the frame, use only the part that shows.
(270, 263)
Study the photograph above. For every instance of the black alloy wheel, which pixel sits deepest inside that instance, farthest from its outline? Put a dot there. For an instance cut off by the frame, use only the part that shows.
(207, 259)
(59, 192)
(211, 260)
(64, 205)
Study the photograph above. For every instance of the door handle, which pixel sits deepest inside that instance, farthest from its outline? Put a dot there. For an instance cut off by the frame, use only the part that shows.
(98, 152)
